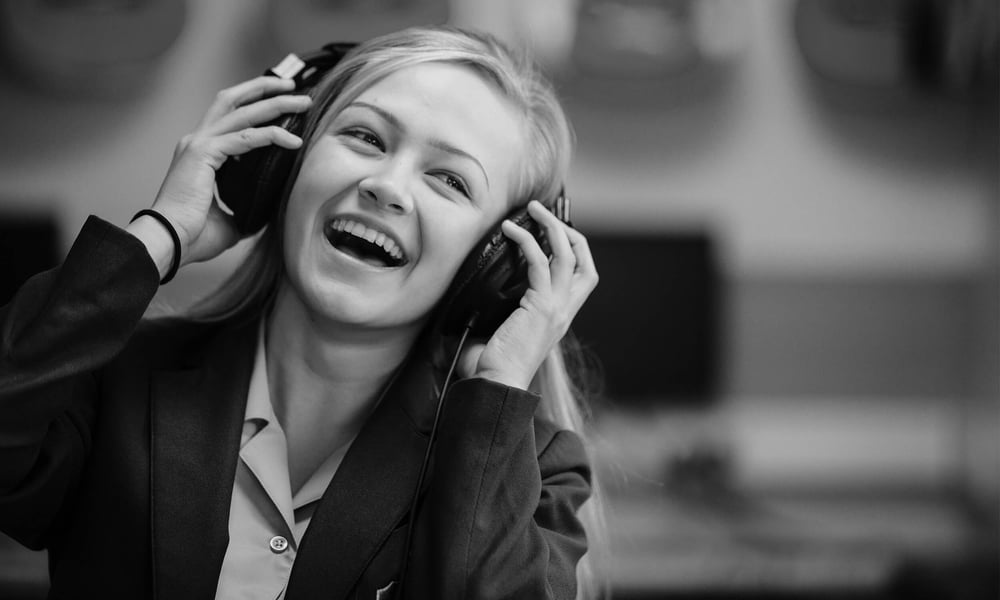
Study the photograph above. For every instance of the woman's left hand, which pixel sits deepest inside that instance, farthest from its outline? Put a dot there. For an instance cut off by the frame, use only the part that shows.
(556, 291)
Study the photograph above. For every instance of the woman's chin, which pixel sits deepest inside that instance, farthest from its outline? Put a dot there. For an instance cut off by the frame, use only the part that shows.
(338, 308)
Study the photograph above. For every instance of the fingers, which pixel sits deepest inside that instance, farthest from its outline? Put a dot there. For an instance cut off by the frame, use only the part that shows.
(232, 98)
(563, 259)
(538, 262)
(214, 150)
(233, 124)
(254, 114)
(581, 250)
(572, 263)
(229, 234)
(239, 142)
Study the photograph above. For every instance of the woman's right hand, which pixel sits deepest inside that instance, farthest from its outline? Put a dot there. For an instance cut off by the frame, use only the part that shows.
(232, 126)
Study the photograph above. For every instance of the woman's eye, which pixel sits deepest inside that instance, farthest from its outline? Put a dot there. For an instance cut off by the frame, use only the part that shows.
(366, 137)
(454, 182)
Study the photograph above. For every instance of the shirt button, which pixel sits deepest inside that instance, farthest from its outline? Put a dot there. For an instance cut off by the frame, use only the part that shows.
(278, 544)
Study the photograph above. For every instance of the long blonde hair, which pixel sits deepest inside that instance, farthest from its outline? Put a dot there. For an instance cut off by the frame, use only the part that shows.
(250, 291)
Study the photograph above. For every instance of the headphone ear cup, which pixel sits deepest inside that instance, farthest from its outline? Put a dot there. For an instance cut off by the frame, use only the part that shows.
(251, 183)
(490, 282)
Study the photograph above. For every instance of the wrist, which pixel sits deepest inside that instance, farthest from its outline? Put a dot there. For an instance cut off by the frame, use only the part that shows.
(160, 240)
(506, 378)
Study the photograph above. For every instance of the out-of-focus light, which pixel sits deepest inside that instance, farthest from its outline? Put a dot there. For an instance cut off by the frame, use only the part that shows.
(631, 38)
(90, 47)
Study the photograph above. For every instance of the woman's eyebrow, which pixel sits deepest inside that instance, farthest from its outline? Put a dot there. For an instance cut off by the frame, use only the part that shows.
(442, 145)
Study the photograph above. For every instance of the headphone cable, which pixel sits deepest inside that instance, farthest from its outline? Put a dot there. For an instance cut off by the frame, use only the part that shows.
(470, 322)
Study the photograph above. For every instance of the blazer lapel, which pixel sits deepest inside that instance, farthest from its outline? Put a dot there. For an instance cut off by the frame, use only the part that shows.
(371, 491)
(195, 433)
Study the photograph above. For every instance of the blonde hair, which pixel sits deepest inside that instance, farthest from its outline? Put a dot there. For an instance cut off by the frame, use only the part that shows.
(251, 289)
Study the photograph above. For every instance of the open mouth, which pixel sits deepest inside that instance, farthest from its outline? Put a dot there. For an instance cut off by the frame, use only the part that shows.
(368, 245)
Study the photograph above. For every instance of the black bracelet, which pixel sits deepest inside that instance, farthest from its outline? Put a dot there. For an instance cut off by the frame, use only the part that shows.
(176, 262)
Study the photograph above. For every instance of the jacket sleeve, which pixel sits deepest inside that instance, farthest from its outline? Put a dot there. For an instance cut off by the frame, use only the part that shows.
(499, 517)
(59, 328)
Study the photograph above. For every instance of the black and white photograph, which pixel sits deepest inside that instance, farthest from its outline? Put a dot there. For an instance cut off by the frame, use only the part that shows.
(483, 300)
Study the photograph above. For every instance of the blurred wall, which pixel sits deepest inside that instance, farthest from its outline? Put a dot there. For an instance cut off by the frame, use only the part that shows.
(87, 154)
(794, 184)
(791, 185)
(858, 232)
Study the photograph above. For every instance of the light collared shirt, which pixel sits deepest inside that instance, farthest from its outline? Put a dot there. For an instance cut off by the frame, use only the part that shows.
(267, 521)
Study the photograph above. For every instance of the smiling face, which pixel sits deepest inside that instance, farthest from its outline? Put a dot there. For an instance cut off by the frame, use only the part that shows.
(395, 192)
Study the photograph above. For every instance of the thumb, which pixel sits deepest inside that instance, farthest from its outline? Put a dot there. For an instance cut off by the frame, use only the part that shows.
(226, 224)
(468, 362)
(218, 235)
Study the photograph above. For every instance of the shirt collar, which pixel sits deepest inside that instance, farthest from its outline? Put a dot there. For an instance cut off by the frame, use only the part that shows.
(259, 412)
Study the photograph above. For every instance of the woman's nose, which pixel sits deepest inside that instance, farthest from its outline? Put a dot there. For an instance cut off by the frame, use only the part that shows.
(386, 192)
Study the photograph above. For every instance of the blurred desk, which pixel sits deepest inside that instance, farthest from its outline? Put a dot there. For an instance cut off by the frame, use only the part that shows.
(682, 524)
(789, 547)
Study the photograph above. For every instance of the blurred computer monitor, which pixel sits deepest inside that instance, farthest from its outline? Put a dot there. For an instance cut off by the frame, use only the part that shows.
(653, 321)
(29, 244)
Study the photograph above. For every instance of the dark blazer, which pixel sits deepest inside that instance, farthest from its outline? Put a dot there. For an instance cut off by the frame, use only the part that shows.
(119, 440)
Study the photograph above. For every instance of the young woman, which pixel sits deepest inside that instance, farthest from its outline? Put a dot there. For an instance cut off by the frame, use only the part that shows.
(270, 443)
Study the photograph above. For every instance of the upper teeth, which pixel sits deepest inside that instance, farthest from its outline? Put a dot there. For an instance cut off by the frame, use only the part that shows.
(374, 236)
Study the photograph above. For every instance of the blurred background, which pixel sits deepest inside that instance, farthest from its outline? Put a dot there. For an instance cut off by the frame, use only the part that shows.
(793, 205)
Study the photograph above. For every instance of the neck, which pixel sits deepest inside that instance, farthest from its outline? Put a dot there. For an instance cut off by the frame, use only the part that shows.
(326, 378)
